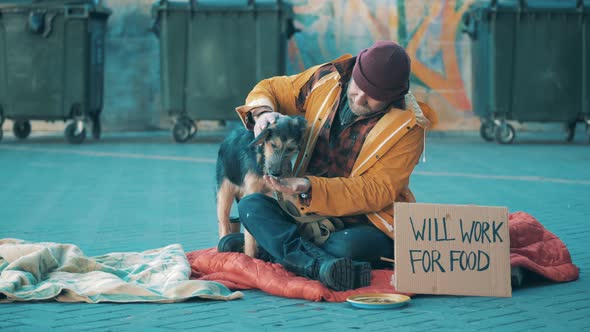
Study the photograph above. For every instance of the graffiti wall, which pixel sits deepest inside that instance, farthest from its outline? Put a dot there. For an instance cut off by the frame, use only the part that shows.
(429, 29)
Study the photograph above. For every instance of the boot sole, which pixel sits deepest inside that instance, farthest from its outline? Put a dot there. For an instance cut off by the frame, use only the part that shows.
(338, 274)
(362, 274)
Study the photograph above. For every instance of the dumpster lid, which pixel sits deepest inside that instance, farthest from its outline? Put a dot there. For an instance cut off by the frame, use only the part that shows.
(219, 5)
(534, 4)
(14, 3)
(225, 3)
(96, 6)
(231, 2)
(52, 3)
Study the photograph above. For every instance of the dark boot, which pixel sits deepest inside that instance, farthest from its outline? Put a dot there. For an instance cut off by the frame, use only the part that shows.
(361, 271)
(362, 274)
(231, 243)
(336, 273)
(235, 243)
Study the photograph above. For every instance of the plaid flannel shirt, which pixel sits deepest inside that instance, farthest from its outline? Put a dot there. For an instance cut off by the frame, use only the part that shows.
(335, 155)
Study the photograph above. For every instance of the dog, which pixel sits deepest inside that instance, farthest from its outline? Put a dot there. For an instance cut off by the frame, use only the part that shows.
(242, 162)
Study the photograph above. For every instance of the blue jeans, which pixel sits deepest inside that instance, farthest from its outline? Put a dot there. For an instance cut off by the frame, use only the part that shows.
(276, 232)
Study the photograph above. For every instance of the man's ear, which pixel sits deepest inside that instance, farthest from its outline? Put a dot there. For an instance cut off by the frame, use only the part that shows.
(261, 137)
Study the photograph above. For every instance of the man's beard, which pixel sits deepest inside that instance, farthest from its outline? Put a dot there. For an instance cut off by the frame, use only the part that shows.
(358, 109)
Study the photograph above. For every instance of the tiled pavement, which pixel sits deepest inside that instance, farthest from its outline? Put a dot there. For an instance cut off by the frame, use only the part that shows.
(133, 192)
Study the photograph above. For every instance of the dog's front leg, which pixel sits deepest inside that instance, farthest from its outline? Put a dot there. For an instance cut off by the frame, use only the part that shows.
(225, 197)
(253, 183)
(250, 245)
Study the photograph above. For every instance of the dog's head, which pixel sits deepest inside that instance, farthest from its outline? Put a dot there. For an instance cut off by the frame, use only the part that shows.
(278, 143)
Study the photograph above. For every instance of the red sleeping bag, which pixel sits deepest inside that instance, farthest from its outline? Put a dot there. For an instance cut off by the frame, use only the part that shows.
(531, 246)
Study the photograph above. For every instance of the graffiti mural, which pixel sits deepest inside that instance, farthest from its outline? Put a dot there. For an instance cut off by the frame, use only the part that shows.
(428, 29)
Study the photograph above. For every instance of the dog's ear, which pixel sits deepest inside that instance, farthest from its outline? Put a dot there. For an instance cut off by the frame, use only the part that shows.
(301, 123)
(261, 137)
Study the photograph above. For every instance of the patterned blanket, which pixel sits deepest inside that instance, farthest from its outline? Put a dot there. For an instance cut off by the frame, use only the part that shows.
(42, 271)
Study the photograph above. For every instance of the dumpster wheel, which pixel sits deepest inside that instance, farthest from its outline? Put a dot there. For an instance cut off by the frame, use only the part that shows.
(96, 127)
(570, 131)
(74, 137)
(21, 129)
(486, 131)
(184, 129)
(505, 133)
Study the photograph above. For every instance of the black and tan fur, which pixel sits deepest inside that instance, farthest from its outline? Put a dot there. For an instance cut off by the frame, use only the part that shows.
(243, 160)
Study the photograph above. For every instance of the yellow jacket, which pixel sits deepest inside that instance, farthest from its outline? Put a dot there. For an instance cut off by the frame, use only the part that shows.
(388, 156)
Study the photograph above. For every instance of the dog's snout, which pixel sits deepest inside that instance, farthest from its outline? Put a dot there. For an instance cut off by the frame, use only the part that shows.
(274, 172)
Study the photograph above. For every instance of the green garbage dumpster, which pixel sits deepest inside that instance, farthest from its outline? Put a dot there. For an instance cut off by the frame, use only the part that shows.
(212, 53)
(530, 63)
(52, 64)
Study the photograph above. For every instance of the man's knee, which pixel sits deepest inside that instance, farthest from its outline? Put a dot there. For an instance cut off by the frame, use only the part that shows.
(364, 243)
(253, 202)
(263, 217)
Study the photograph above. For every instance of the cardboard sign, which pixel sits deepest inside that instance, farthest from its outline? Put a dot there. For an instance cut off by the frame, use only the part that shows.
(452, 249)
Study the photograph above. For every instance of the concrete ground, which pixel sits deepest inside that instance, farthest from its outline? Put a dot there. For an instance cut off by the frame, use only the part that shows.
(133, 192)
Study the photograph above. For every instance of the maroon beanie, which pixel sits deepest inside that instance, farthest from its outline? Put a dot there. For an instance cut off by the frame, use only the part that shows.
(382, 71)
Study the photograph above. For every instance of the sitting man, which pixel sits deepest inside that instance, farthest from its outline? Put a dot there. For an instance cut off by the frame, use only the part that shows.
(365, 136)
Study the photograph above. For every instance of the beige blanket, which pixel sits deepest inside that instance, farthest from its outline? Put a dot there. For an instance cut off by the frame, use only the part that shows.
(42, 271)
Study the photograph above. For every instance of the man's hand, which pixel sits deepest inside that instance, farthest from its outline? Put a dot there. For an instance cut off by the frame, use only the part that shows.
(288, 185)
(264, 120)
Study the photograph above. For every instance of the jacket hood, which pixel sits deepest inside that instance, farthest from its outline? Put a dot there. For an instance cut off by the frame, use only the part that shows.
(425, 116)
